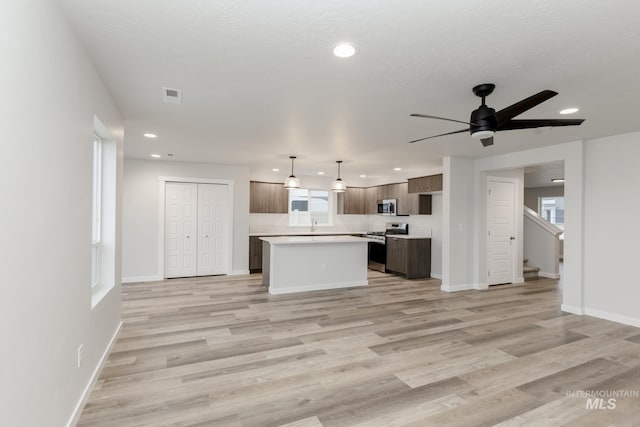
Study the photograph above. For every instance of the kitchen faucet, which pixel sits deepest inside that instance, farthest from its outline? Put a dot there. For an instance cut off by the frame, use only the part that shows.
(314, 223)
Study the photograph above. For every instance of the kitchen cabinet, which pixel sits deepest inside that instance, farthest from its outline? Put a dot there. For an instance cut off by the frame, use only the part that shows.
(388, 191)
(411, 257)
(355, 202)
(268, 197)
(255, 254)
(419, 204)
(425, 184)
(371, 200)
(402, 195)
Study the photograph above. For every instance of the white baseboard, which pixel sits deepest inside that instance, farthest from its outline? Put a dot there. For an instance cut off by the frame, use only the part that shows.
(456, 288)
(436, 276)
(481, 286)
(75, 415)
(573, 309)
(239, 272)
(134, 279)
(518, 280)
(631, 321)
(319, 287)
(548, 275)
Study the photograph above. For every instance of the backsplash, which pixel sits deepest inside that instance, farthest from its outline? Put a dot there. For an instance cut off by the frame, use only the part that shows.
(279, 223)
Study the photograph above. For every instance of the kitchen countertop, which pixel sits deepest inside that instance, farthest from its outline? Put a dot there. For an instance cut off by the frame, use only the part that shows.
(408, 236)
(307, 233)
(299, 240)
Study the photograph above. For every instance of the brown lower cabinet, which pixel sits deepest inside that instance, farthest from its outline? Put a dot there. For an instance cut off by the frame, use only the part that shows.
(255, 254)
(411, 257)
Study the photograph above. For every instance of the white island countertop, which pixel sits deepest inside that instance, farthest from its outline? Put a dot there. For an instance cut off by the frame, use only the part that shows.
(407, 236)
(299, 240)
(305, 233)
(313, 263)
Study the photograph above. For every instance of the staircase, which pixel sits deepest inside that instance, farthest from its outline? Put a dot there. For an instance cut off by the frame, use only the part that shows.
(529, 272)
(541, 245)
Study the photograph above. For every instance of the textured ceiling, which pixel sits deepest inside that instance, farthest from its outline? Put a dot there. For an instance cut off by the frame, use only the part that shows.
(260, 83)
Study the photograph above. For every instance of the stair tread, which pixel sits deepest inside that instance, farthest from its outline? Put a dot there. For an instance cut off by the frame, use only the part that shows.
(529, 269)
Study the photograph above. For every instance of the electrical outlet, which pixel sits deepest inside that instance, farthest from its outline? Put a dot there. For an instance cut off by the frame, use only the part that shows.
(80, 355)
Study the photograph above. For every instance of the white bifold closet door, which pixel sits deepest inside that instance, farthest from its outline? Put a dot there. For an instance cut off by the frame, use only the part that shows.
(212, 229)
(195, 229)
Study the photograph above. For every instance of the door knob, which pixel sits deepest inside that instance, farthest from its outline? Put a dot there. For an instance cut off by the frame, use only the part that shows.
(188, 236)
(206, 236)
(512, 238)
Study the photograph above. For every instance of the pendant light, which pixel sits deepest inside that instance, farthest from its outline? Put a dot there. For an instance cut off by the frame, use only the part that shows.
(338, 185)
(292, 182)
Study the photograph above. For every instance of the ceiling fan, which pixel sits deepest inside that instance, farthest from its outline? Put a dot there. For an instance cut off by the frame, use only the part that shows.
(485, 121)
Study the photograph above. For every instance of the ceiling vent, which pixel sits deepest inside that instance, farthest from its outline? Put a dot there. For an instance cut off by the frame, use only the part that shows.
(172, 96)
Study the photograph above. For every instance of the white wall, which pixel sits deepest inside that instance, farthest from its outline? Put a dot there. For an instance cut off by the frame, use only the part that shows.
(50, 95)
(141, 203)
(611, 228)
(459, 223)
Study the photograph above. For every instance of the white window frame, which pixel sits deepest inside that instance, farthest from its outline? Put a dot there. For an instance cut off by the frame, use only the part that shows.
(542, 214)
(96, 211)
(330, 198)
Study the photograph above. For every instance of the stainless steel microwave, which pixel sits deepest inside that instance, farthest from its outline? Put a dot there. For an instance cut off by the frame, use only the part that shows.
(387, 206)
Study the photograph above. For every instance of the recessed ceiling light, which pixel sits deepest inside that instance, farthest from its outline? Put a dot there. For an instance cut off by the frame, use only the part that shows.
(320, 173)
(569, 110)
(155, 156)
(344, 50)
(150, 135)
(363, 176)
(557, 180)
(397, 169)
(275, 170)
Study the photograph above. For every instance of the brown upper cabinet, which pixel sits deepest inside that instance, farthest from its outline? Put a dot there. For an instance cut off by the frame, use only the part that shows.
(425, 184)
(268, 197)
(355, 201)
(358, 200)
(389, 191)
(371, 200)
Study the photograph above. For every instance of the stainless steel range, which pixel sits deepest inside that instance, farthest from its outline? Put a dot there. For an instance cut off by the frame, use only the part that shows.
(377, 244)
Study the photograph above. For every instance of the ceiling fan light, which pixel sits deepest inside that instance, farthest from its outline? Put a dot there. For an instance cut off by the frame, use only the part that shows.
(482, 134)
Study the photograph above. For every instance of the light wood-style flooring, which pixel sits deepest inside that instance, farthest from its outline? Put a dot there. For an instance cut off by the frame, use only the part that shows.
(221, 351)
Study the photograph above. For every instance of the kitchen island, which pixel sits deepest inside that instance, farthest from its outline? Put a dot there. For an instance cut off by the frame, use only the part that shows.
(310, 263)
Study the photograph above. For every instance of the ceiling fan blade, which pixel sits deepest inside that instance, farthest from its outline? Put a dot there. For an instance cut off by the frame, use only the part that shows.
(487, 142)
(442, 134)
(521, 106)
(530, 124)
(437, 118)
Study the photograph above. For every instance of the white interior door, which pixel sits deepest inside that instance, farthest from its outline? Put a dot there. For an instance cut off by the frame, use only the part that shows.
(212, 229)
(180, 229)
(501, 230)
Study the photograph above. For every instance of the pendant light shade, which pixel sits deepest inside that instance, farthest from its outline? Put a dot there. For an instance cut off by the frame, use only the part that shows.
(292, 182)
(338, 185)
